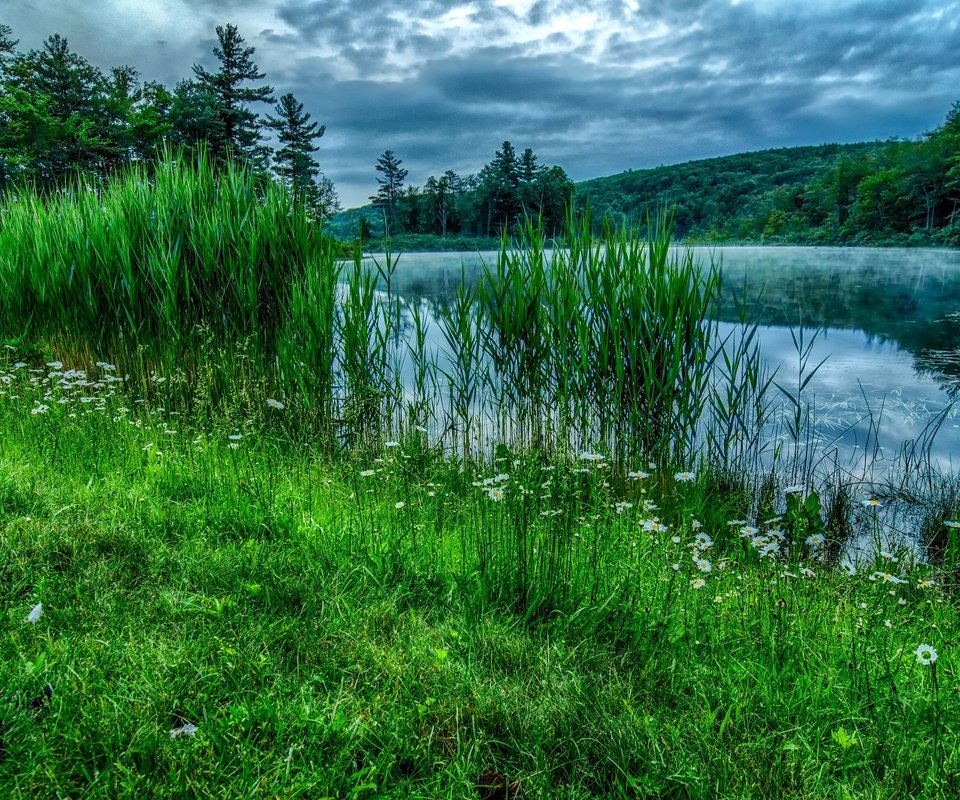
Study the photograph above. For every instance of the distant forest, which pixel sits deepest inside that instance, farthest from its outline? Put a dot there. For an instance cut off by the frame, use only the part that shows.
(897, 192)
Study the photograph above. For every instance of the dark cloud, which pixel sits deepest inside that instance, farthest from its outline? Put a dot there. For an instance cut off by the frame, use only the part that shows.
(633, 84)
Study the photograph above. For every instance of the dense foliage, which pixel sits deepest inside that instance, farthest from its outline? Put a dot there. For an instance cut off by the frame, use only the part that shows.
(62, 119)
(500, 197)
(899, 192)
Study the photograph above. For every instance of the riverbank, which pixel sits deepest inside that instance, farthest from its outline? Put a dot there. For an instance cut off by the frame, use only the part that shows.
(220, 611)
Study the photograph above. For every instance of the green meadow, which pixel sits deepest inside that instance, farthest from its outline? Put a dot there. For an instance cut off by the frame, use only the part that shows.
(258, 538)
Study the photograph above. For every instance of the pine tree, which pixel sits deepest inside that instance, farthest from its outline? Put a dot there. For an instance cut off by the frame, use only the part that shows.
(238, 130)
(391, 187)
(293, 162)
(54, 114)
(7, 47)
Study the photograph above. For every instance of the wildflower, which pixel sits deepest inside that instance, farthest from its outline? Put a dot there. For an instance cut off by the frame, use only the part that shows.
(235, 437)
(718, 599)
(675, 567)
(675, 539)
(902, 601)
(696, 525)
(399, 504)
(926, 655)
(366, 473)
(698, 583)
(495, 494)
(887, 623)
(640, 475)
(35, 613)
(887, 556)
(770, 549)
(40, 409)
(807, 572)
(275, 404)
(815, 539)
(850, 568)
(55, 364)
(685, 477)
(186, 729)
(703, 565)
(748, 531)
(703, 542)
(886, 577)
(649, 505)
(871, 502)
(653, 525)
(925, 583)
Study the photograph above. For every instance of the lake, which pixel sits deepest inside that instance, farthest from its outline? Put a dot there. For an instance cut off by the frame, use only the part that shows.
(888, 323)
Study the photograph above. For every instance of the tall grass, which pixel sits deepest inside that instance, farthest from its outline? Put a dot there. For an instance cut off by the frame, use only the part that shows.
(155, 254)
(580, 342)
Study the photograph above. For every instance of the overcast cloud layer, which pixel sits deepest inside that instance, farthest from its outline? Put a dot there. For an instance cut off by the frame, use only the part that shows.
(597, 86)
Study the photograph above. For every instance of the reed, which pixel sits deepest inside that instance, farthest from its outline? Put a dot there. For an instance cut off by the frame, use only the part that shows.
(225, 288)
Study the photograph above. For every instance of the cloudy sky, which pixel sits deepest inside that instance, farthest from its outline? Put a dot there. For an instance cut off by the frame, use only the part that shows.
(597, 86)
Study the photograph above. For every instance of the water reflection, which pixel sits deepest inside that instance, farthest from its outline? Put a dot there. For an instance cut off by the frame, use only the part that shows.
(890, 334)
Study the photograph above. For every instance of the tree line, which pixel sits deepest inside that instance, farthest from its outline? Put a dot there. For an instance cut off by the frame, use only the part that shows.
(61, 119)
(896, 192)
(507, 190)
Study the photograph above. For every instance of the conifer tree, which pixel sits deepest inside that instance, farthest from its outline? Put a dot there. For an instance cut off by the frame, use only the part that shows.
(293, 162)
(391, 187)
(238, 128)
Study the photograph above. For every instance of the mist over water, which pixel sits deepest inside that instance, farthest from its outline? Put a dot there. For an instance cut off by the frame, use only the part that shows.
(887, 325)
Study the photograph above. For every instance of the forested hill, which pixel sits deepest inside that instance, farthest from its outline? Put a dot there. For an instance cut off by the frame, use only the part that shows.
(730, 197)
(895, 192)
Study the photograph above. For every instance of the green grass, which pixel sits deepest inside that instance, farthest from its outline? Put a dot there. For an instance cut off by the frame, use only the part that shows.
(327, 643)
(547, 566)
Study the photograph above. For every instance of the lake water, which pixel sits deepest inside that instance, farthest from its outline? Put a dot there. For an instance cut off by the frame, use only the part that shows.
(889, 329)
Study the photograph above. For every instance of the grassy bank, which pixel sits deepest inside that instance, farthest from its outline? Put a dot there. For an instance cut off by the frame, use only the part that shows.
(392, 626)
(298, 553)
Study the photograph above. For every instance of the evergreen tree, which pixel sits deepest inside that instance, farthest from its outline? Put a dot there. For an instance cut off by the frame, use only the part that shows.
(7, 47)
(193, 116)
(238, 128)
(294, 162)
(391, 187)
(54, 112)
(442, 196)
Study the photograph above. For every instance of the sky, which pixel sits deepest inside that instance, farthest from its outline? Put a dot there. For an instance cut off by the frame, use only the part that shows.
(596, 86)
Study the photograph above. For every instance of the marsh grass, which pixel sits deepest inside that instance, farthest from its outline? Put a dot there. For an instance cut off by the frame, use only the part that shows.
(267, 565)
